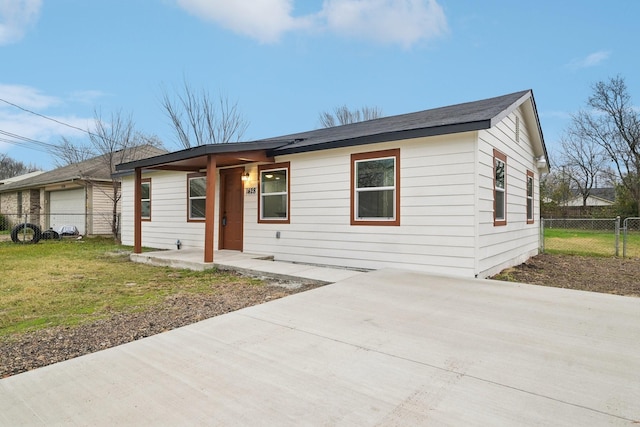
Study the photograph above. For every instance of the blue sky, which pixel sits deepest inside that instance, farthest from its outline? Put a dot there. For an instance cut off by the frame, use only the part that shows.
(285, 61)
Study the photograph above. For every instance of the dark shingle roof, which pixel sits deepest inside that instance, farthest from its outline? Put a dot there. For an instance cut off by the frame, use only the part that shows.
(438, 121)
(466, 117)
(96, 169)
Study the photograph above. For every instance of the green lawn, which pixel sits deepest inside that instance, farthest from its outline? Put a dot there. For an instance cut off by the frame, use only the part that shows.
(70, 282)
(588, 242)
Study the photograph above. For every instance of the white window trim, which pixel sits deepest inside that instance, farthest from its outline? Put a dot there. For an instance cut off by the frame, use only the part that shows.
(190, 198)
(357, 158)
(367, 189)
(274, 168)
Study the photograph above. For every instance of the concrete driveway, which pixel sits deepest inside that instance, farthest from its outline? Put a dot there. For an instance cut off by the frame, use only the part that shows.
(380, 348)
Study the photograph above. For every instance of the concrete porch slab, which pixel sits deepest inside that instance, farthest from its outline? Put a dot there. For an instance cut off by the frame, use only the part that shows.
(252, 264)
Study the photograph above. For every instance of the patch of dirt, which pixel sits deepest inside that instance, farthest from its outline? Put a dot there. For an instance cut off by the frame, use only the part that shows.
(52, 345)
(47, 346)
(608, 275)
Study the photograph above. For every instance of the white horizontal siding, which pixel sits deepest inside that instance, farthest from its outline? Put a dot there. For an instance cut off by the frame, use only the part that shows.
(437, 211)
(168, 213)
(502, 246)
(101, 211)
(446, 208)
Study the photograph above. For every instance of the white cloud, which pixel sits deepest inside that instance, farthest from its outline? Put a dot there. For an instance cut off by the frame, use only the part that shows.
(16, 16)
(264, 20)
(26, 97)
(16, 118)
(591, 60)
(403, 22)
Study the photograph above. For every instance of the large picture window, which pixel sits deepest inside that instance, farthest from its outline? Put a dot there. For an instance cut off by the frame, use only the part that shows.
(375, 188)
(274, 193)
(197, 196)
(499, 188)
(529, 197)
(145, 199)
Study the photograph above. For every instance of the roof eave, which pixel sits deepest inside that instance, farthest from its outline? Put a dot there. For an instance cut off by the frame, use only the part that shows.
(537, 136)
(386, 137)
(199, 151)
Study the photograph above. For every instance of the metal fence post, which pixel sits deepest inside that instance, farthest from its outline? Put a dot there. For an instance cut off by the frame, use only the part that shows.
(24, 229)
(541, 235)
(617, 235)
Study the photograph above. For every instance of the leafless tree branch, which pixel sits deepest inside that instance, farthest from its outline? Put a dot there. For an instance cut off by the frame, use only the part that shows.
(342, 115)
(199, 118)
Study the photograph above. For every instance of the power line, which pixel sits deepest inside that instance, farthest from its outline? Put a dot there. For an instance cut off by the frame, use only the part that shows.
(28, 140)
(18, 143)
(46, 117)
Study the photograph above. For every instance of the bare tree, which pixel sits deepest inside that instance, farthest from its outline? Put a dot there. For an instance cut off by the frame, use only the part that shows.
(10, 167)
(584, 162)
(199, 119)
(69, 152)
(111, 141)
(614, 124)
(342, 115)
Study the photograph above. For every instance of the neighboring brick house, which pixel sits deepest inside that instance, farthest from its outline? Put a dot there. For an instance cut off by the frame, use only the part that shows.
(80, 194)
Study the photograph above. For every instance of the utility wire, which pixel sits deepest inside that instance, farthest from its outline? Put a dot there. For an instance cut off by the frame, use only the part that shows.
(28, 140)
(36, 148)
(46, 117)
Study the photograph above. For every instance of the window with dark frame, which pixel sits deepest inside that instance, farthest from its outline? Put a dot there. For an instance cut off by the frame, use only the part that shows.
(530, 218)
(274, 193)
(197, 196)
(145, 199)
(499, 188)
(375, 184)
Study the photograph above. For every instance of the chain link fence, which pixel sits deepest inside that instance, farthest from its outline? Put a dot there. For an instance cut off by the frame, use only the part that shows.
(631, 238)
(591, 236)
(64, 224)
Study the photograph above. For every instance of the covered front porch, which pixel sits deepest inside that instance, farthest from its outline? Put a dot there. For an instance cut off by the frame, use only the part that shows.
(249, 264)
(208, 161)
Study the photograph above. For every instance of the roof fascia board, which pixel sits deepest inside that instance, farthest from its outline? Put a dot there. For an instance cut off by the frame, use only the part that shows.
(386, 137)
(511, 108)
(199, 151)
(531, 110)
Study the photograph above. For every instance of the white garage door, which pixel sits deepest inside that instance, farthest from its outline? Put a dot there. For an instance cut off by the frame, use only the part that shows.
(67, 207)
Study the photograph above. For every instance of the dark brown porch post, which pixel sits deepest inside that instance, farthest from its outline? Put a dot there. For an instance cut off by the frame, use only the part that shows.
(137, 212)
(210, 208)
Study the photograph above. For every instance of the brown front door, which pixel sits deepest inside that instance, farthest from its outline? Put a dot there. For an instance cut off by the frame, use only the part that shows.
(231, 208)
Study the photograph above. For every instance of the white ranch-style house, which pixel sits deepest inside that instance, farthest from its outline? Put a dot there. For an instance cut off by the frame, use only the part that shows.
(451, 190)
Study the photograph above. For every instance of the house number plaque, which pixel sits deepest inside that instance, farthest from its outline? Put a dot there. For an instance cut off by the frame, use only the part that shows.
(252, 190)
